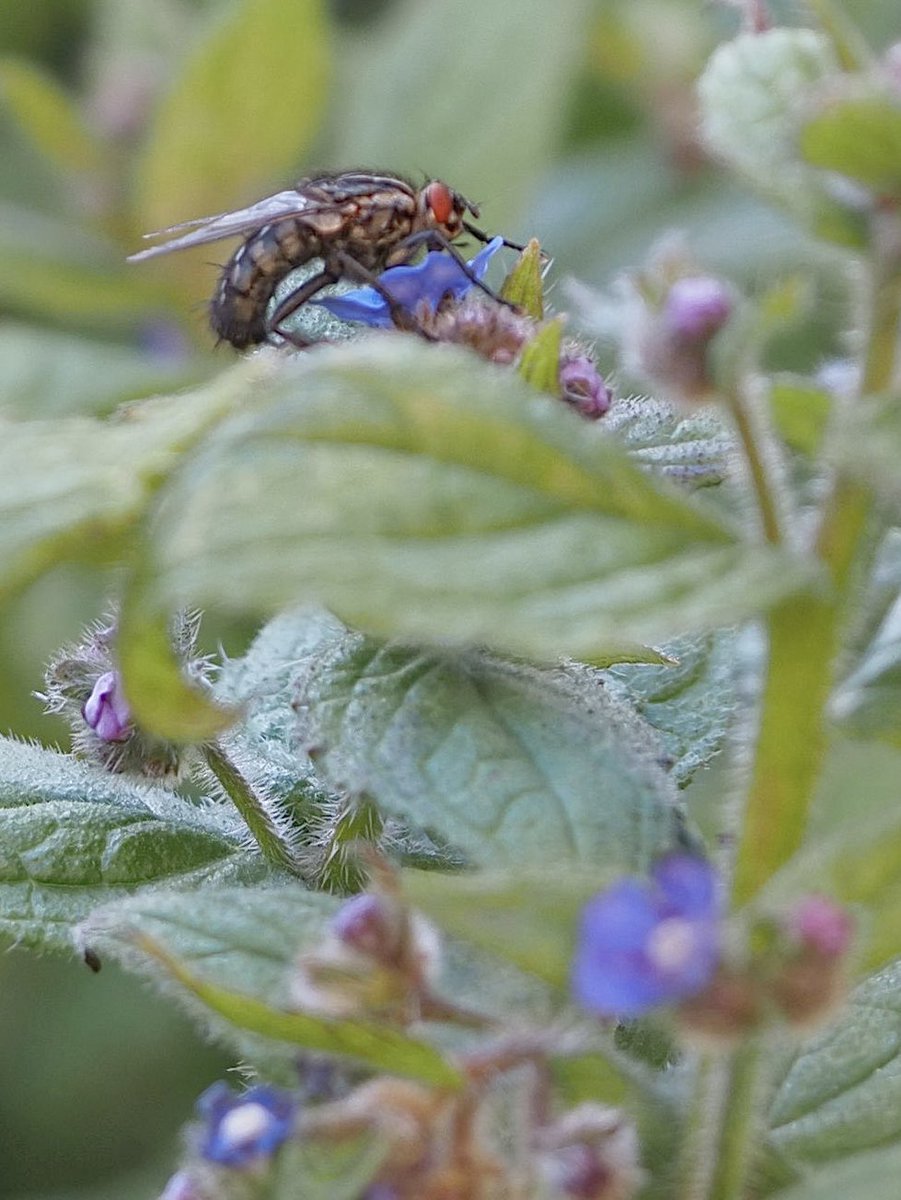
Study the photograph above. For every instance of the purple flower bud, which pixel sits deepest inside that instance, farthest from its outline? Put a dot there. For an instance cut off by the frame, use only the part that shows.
(821, 925)
(697, 307)
(643, 943)
(583, 386)
(106, 710)
(428, 282)
(372, 924)
(240, 1130)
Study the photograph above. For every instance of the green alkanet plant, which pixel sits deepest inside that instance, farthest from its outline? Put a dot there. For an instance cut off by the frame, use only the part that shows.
(436, 826)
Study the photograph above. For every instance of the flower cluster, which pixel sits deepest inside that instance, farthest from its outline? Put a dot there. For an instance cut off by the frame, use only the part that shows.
(444, 304)
(645, 943)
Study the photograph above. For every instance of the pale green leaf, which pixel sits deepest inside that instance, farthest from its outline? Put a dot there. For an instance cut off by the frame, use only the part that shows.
(871, 1176)
(842, 1094)
(242, 114)
(489, 137)
(415, 490)
(539, 361)
(231, 950)
(858, 136)
(868, 702)
(72, 488)
(800, 411)
(690, 700)
(509, 763)
(524, 286)
(48, 116)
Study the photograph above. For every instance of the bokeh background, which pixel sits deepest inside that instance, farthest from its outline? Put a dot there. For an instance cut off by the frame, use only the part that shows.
(570, 120)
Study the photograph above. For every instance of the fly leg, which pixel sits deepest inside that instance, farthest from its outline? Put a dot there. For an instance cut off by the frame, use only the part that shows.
(293, 302)
(483, 237)
(434, 240)
(402, 317)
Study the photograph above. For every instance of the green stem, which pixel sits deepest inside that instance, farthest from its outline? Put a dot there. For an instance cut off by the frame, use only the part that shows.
(697, 1143)
(760, 477)
(805, 632)
(254, 813)
(738, 1126)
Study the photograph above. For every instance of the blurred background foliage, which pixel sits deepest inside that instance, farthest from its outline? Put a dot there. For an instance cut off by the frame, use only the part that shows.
(573, 122)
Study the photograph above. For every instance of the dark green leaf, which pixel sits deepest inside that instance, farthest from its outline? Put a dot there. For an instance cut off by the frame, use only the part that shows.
(508, 762)
(73, 836)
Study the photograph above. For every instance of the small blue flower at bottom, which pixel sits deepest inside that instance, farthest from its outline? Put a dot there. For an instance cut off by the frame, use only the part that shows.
(643, 943)
(243, 1129)
(429, 281)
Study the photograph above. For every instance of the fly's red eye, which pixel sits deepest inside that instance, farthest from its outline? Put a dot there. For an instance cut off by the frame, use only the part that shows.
(441, 201)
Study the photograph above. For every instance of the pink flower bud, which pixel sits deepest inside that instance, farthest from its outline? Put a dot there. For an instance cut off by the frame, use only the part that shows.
(106, 710)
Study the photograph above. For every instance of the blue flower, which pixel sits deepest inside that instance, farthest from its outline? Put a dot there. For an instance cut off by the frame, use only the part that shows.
(647, 942)
(242, 1129)
(429, 281)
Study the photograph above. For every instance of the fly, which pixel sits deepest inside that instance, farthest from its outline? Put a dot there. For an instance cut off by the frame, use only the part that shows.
(357, 223)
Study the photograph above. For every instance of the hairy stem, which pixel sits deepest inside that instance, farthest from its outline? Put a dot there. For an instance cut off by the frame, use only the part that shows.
(254, 813)
(738, 1126)
(805, 632)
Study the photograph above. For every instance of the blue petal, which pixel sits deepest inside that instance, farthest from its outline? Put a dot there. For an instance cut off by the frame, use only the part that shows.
(429, 281)
(689, 885)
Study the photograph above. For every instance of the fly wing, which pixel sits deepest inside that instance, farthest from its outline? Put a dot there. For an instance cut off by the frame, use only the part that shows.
(212, 229)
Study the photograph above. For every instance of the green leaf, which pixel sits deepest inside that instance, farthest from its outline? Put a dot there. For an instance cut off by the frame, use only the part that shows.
(691, 699)
(71, 489)
(753, 93)
(526, 916)
(800, 411)
(868, 702)
(858, 865)
(416, 490)
(494, 136)
(73, 836)
(539, 362)
(858, 136)
(326, 1170)
(44, 374)
(524, 285)
(873, 1175)
(691, 449)
(867, 445)
(244, 942)
(508, 762)
(842, 1094)
(49, 117)
(223, 132)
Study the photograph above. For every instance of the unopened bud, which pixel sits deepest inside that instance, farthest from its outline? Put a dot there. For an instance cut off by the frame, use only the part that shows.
(697, 307)
(584, 387)
(106, 710)
(811, 983)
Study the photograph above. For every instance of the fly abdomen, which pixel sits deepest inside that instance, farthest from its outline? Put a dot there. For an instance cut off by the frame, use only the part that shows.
(250, 277)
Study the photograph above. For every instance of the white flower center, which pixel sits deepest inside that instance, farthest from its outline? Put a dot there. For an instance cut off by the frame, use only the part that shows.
(672, 944)
(245, 1123)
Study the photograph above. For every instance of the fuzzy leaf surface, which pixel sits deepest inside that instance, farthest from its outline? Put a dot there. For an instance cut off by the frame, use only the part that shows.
(231, 950)
(417, 491)
(508, 762)
(842, 1094)
(73, 836)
